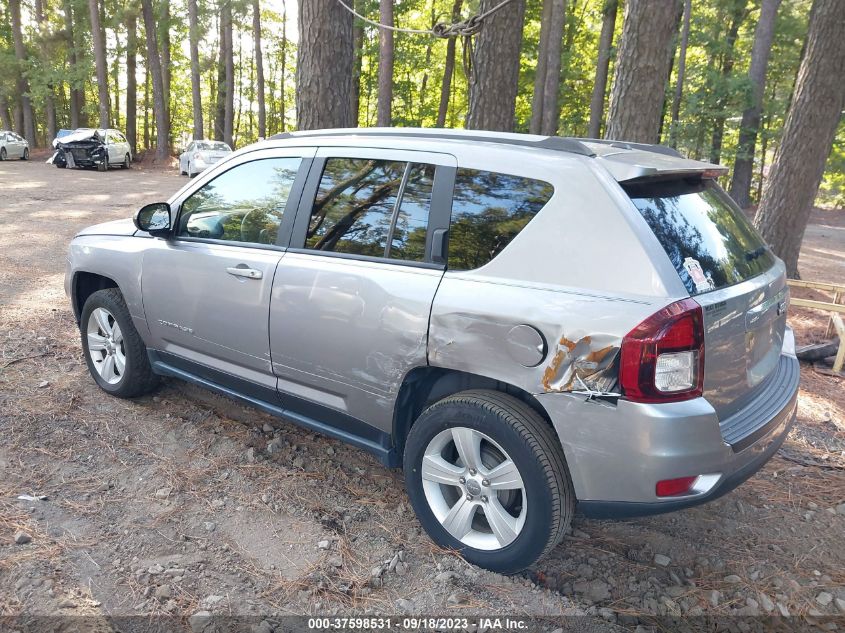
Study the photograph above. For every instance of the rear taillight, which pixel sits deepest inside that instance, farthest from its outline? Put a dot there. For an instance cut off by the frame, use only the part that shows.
(662, 359)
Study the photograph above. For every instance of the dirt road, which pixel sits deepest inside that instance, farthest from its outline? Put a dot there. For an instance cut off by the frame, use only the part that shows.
(184, 502)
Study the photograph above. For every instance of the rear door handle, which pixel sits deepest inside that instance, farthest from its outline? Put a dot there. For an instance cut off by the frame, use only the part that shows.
(249, 273)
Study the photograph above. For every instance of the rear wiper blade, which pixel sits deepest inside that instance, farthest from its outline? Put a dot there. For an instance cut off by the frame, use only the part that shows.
(752, 255)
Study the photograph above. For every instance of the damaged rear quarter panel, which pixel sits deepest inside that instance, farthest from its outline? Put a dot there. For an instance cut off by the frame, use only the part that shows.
(582, 332)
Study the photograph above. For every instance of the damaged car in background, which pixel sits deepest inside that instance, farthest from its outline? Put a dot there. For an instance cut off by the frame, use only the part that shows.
(525, 324)
(89, 147)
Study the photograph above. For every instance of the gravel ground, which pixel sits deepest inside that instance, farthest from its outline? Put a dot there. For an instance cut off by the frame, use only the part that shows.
(185, 502)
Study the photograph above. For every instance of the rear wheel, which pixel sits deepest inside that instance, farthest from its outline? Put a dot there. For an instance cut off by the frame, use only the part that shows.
(486, 476)
(126, 162)
(25, 155)
(2, 153)
(190, 173)
(114, 352)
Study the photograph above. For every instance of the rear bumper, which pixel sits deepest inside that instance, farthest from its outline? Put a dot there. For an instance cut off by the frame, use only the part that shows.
(616, 455)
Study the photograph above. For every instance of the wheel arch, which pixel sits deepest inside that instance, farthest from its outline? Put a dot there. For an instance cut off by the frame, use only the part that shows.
(424, 386)
(85, 284)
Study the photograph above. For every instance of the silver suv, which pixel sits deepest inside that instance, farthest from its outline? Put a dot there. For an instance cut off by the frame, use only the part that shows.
(527, 325)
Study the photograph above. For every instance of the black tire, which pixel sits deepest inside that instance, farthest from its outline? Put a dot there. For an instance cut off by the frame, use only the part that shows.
(104, 166)
(126, 162)
(535, 450)
(138, 378)
(25, 155)
(2, 153)
(190, 175)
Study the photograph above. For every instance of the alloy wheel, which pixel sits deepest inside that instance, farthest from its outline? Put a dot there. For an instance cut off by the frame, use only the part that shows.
(106, 346)
(474, 488)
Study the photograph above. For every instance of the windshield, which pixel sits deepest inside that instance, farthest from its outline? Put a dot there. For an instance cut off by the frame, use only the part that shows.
(709, 239)
(213, 147)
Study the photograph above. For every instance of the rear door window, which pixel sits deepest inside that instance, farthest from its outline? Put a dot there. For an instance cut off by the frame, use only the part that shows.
(489, 209)
(372, 207)
(709, 240)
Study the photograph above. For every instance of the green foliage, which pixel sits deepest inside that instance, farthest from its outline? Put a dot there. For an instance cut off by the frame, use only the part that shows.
(710, 94)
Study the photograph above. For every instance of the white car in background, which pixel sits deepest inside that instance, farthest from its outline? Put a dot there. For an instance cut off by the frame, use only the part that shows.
(200, 155)
(13, 146)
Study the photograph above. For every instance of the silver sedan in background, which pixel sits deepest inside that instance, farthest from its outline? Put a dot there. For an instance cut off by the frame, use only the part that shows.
(13, 146)
(200, 155)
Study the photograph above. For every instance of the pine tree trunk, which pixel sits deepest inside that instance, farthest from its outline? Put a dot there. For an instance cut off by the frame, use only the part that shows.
(154, 63)
(132, 80)
(49, 98)
(99, 44)
(166, 66)
(220, 100)
(551, 84)
(808, 135)
(283, 49)
(196, 91)
(27, 121)
(147, 83)
(229, 64)
(259, 69)
(448, 69)
(608, 26)
(737, 17)
(385, 65)
(72, 60)
(744, 163)
(536, 122)
(642, 65)
(324, 65)
(358, 57)
(495, 68)
(682, 68)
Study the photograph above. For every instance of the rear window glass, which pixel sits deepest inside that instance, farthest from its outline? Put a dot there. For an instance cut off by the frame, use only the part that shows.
(709, 239)
(489, 210)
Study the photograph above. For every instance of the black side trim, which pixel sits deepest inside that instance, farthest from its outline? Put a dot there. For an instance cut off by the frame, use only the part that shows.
(626, 509)
(300, 412)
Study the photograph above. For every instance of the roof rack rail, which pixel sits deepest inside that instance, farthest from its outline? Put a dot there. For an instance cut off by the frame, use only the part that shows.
(646, 147)
(555, 143)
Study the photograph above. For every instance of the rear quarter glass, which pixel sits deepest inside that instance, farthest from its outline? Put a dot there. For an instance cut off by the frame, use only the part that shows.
(709, 240)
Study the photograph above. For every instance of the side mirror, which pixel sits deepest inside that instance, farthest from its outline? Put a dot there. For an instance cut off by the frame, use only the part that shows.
(154, 219)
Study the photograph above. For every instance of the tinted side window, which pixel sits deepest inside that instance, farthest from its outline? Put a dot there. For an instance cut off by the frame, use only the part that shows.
(354, 205)
(408, 242)
(489, 210)
(244, 204)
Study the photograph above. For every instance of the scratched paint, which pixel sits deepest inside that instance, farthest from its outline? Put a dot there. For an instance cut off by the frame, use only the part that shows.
(589, 363)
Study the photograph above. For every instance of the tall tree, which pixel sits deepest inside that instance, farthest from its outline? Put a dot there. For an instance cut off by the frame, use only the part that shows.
(738, 13)
(385, 65)
(166, 66)
(196, 88)
(259, 69)
(49, 98)
(99, 43)
(448, 68)
(744, 163)
(220, 95)
(324, 65)
(357, 62)
(679, 82)
(131, 78)
(808, 134)
(545, 112)
(642, 67)
(494, 79)
(76, 95)
(25, 103)
(154, 64)
(229, 64)
(608, 26)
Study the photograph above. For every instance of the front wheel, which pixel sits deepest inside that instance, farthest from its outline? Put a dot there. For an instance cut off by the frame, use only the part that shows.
(126, 162)
(104, 166)
(114, 352)
(2, 153)
(486, 476)
(25, 155)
